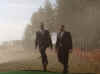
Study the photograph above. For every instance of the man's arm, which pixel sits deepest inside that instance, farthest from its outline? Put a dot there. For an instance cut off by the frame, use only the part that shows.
(50, 41)
(57, 43)
(70, 38)
(36, 40)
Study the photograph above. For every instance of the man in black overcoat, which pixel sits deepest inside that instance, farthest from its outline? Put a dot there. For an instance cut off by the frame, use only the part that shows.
(63, 47)
(43, 41)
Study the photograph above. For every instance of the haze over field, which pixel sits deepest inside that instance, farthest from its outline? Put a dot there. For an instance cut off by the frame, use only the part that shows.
(20, 19)
(14, 17)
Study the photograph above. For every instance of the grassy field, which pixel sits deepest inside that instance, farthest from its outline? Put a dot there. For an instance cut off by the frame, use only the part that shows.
(20, 59)
(29, 72)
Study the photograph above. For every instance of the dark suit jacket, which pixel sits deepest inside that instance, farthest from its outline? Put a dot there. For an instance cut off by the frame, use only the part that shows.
(64, 42)
(43, 40)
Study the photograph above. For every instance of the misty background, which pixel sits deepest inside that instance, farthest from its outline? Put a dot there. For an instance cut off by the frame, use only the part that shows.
(20, 19)
(80, 17)
(14, 16)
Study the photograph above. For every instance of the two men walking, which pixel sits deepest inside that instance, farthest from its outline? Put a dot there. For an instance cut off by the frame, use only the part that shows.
(63, 46)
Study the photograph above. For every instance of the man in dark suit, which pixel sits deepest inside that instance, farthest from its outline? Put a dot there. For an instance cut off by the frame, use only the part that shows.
(63, 47)
(43, 41)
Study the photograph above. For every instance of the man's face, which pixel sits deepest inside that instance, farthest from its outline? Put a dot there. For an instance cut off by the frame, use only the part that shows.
(61, 28)
(42, 26)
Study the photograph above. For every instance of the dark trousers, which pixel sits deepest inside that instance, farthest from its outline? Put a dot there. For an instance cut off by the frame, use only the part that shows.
(63, 56)
(43, 56)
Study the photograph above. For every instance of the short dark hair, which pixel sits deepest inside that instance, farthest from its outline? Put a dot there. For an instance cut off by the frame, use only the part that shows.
(42, 23)
(62, 26)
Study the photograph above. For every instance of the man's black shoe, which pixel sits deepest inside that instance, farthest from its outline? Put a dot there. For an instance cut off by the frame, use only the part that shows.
(65, 72)
(45, 68)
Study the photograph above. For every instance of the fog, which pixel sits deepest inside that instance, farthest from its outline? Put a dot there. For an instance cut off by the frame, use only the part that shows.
(20, 20)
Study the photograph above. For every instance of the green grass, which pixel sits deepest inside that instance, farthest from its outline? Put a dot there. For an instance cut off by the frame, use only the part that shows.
(29, 72)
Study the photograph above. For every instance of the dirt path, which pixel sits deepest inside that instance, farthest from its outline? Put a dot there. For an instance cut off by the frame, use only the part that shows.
(19, 59)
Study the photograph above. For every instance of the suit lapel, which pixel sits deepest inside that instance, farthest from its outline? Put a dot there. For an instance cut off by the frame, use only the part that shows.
(61, 36)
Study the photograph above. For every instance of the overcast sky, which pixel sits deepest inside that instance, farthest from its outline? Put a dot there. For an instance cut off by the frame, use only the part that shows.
(14, 15)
